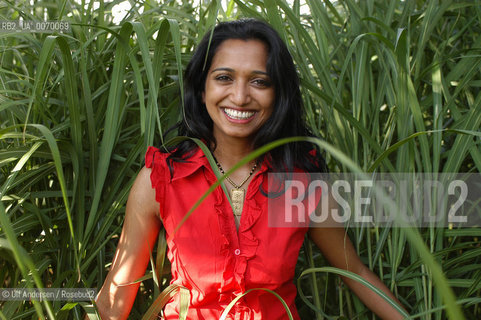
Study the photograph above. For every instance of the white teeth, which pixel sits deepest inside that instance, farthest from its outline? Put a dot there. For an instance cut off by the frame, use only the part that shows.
(239, 115)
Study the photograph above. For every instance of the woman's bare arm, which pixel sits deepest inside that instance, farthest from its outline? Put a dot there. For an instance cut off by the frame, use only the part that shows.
(339, 251)
(336, 246)
(139, 234)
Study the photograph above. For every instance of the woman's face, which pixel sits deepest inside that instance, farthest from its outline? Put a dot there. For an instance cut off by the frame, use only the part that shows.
(238, 94)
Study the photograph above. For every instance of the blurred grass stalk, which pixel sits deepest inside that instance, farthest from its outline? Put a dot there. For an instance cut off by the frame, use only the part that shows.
(77, 111)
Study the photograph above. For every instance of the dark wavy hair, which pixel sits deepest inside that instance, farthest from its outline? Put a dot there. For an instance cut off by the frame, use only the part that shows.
(287, 119)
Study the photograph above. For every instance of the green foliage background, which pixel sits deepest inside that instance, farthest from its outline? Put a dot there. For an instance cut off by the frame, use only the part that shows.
(393, 86)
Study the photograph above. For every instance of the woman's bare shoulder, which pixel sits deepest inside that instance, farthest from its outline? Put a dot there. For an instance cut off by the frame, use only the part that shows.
(142, 194)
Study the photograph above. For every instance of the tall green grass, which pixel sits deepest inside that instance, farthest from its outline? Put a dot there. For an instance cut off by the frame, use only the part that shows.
(393, 86)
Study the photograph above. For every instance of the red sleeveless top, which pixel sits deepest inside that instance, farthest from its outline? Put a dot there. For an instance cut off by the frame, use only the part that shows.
(210, 257)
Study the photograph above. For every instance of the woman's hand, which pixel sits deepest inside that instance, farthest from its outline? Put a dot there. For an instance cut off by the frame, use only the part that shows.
(139, 234)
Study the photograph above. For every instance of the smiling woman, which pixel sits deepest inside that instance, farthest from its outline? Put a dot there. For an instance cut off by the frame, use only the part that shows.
(242, 91)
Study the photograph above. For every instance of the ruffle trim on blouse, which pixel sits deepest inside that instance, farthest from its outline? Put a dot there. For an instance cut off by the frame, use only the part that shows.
(185, 167)
(238, 250)
(156, 160)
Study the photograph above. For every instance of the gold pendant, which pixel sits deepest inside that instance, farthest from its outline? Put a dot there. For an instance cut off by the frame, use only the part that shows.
(237, 200)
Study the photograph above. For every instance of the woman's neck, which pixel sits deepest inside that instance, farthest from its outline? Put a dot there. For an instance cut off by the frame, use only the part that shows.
(230, 151)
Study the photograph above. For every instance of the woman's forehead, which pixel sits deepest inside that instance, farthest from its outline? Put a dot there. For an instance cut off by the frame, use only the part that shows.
(240, 54)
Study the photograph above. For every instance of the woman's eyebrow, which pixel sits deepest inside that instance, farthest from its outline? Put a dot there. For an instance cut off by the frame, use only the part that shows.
(260, 72)
(222, 69)
(232, 70)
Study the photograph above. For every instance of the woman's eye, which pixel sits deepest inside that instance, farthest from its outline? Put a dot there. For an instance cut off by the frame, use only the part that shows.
(222, 78)
(262, 82)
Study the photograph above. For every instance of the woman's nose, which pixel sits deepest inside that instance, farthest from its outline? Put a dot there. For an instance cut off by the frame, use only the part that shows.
(240, 94)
